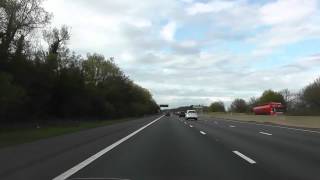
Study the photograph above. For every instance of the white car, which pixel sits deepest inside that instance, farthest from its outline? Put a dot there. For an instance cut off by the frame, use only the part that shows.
(191, 114)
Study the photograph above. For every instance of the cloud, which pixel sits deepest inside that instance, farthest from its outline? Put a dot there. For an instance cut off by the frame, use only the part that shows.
(214, 6)
(168, 31)
(287, 11)
(195, 52)
(285, 22)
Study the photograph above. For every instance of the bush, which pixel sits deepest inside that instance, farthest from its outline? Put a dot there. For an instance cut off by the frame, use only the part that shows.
(217, 107)
(311, 94)
(239, 106)
(310, 99)
(11, 96)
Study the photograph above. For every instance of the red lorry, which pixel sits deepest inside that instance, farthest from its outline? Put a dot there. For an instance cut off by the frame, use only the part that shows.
(272, 108)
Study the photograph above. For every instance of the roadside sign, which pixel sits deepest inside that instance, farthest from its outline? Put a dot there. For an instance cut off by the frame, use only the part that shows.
(164, 105)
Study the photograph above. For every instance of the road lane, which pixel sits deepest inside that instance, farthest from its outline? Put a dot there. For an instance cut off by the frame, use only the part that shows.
(94, 157)
(289, 154)
(171, 150)
(45, 159)
(305, 139)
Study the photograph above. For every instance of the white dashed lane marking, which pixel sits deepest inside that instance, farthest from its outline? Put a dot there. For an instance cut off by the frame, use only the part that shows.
(264, 133)
(244, 157)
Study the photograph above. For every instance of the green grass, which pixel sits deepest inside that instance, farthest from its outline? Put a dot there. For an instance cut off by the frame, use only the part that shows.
(296, 121)
(14, 136)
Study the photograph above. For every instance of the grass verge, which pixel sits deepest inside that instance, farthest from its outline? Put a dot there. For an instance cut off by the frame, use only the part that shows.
(294, 121)
(10, 136)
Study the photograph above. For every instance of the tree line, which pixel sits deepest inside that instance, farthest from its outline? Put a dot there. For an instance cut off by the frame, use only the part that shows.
(54, 82)
(304, 102)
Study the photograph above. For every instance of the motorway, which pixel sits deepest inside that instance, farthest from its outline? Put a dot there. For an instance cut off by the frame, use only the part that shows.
(171, 148)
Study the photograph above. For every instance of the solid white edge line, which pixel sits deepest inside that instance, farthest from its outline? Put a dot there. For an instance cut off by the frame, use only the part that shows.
(268, 134)
(86, 162)
(244, 157)
(203, 133)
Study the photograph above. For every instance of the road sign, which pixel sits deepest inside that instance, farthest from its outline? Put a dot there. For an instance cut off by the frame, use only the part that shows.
(164, 105)
(197, 106)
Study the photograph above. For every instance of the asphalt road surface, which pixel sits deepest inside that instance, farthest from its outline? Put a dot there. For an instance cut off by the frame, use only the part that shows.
(171, 148)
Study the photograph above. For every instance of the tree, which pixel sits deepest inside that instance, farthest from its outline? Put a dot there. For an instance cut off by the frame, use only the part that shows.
(271, 96)
(290, 99)
(38, 84)
(57, 53)
(239, 106)
(311, 95)
(253, 102)
(97, 69)
(18, 19)
(56, 39)
(10, 96)
(217, 107)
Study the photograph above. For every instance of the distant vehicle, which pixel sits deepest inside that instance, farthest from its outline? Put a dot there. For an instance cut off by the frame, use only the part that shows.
(182, 114)
(191, 114)
(272, 108)
(167, 114)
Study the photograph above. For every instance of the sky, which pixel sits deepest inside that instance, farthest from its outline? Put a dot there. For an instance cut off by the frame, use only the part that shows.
(189, 52)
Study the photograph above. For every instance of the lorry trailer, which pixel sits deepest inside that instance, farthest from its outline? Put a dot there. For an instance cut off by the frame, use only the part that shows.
(271, 108)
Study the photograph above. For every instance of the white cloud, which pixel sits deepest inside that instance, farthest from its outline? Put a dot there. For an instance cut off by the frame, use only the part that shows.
(288, 22)
(168, 31)
(187, 1)
(189, 43)
(193, 70)
(215, 6)
(288, 11)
